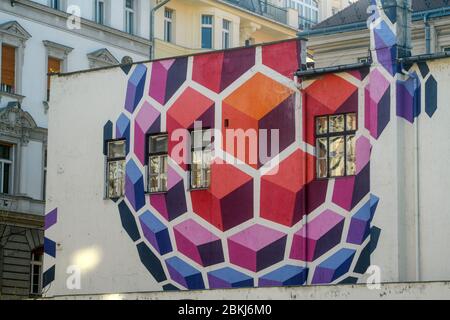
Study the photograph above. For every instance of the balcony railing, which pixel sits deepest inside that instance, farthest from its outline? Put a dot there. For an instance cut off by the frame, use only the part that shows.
(305, 23)
(263, 8)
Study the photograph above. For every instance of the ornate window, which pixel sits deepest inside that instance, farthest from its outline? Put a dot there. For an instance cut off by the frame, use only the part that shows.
(56, 60)
(335, 145)
(12, 43)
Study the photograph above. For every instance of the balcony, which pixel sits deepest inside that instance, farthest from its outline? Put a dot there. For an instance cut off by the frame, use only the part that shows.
(263, 8)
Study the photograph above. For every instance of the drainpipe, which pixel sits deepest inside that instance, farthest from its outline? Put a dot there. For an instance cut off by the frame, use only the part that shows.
(152, 27)
(427, 33)
(417, 185)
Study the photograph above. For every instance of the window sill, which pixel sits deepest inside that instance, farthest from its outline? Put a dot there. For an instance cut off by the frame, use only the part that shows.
(156, 193)
(197, 189)
(335, 178)
(16, 96)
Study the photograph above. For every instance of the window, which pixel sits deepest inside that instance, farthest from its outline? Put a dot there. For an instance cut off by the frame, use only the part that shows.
(226, 34)
(100, 11)
(200, 158)
(55, 4)
(446, 49)
(129, 16)
(36, 271)
(207, 32)
(363, 59)
(335, 145)
(53, 66)
(44, 193)
(157, 162)
(168, 22)
(8, 76)
(116, 169)
(6, 163)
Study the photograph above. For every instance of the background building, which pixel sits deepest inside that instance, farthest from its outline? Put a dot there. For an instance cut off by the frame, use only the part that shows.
(311, 12)
(184, 26)
(361, 179)
(38, 37)
(344, 38)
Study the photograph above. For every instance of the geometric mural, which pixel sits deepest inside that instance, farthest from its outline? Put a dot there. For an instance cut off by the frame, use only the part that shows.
(260, 223)
(237, 232)
(252, 226)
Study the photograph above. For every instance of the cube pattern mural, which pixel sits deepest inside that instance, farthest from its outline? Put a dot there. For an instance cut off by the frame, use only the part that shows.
(255, 225)
(261, 223)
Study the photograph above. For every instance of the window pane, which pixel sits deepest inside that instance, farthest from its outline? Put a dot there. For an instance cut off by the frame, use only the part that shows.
(206, 38)
(322, 154)
(158, 173)
(337, 123)
(158, 144)
(351, 122)
(116, 149)
(154, 165)
(6, 174)
(5, 152)
(321, 125)
(201, 139)
(116, 179)
(351, 155)
(337, 166)
(206, 19)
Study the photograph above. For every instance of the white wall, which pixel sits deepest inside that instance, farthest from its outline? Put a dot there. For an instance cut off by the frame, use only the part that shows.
(93, 215)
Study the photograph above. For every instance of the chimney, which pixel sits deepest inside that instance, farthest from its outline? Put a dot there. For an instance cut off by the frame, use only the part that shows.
(390, 31)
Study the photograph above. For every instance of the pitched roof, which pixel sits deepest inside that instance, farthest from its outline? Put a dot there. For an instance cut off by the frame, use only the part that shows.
(357, 12)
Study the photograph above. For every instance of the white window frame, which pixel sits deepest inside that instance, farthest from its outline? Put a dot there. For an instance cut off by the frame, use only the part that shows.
(11, 170)
(130, 12)
(100, 16)
(13, 34)
(14, 89)
(108, 160)
(161, 157)
(56, 51)
(40, 264)
(169, 25)
(226, 34)
(57, 4)
(205, 147)
(363, 59)
(209, 26)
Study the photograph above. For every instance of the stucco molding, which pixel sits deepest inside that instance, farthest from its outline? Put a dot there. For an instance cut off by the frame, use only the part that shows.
(57, 50)
(16, 123)
(14, 29)
(102, 58)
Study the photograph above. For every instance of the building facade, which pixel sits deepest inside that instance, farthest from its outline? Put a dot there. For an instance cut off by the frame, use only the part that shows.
(184, 27)
(311, 12)
(344, 38)
(37, 38)
(354, 187)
